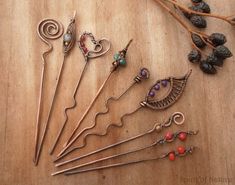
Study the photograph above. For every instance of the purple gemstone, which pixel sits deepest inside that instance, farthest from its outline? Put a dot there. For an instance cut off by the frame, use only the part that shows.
(164, 83)
(151, 94)
(157, 87)
(143, 73)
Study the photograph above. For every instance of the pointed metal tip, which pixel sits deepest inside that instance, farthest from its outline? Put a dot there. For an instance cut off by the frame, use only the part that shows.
(127, 46)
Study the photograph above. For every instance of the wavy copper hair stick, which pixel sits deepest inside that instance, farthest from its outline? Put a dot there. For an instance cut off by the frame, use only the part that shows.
(180, 152)
(175, 90)
(120, 60)
(98, 51)
(181, 135)
(156, 128)
(68, 43)
(143, 74)
(48, 29)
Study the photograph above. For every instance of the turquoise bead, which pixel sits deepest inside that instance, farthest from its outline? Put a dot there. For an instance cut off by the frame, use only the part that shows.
(123, 62)
(116, 56)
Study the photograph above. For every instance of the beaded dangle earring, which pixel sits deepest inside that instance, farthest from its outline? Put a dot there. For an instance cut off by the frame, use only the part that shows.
(98, 51)
(175, 90)
(120, 61)
(68, 43)
(158, 127)
(48, 29)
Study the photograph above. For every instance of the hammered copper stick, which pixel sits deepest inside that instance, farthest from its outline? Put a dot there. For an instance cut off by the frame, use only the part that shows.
(158, 127)
(48, 29)
(174, 153)
(175, 89)
(98, 51)
(68, 43)
(119, 61)
(181, 135)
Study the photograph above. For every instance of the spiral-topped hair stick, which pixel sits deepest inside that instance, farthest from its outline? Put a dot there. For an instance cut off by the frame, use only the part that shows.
(48, 29)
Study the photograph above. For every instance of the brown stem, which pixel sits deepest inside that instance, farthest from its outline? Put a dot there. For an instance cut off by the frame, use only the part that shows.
(202, 35)
(224, 18)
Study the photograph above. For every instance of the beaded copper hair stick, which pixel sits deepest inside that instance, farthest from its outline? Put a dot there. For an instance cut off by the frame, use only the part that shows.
(158, 127)
(175, 90)
(120, 61)
(179, 152)
(143, 75)
(97, 51)
(181, 135)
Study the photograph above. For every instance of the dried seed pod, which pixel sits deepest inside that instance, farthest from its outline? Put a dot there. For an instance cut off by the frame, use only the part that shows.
(217, 39)
(197, 40)
(207, 68)
(196, 8)
(196, 1)
(222, 52)
(186, 14)
(198, 21)
(214, 60)
(194, 56)
(204, 7)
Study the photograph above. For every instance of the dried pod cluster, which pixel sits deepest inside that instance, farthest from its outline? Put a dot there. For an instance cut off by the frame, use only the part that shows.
(219, 52)
(197, 20)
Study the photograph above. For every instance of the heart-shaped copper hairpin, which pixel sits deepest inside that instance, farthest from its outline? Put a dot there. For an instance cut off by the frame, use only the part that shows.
(98, 46)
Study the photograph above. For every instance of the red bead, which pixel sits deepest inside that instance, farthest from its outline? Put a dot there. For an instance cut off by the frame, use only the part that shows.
(82, 44)
(172, 156)
(85, 50)
(182, 136)
(83, 38)
(181, 150)
(169, 136)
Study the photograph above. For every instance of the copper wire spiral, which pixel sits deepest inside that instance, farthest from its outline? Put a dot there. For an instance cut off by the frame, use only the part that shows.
(48, 29)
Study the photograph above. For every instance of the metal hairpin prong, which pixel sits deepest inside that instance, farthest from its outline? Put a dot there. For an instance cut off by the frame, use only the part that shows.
(48, 29)
(120, 62)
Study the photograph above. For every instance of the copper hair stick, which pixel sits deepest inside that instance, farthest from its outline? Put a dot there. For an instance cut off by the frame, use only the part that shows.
(158, 127)
(188, 150)
(68, 43)
(120, 61)
(48, 29)
(98, 51)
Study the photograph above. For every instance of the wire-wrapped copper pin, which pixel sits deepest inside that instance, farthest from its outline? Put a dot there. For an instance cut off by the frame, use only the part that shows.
(120, 60)
(158, 127)
(48, 29)
(175, 90)
(99, 50)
